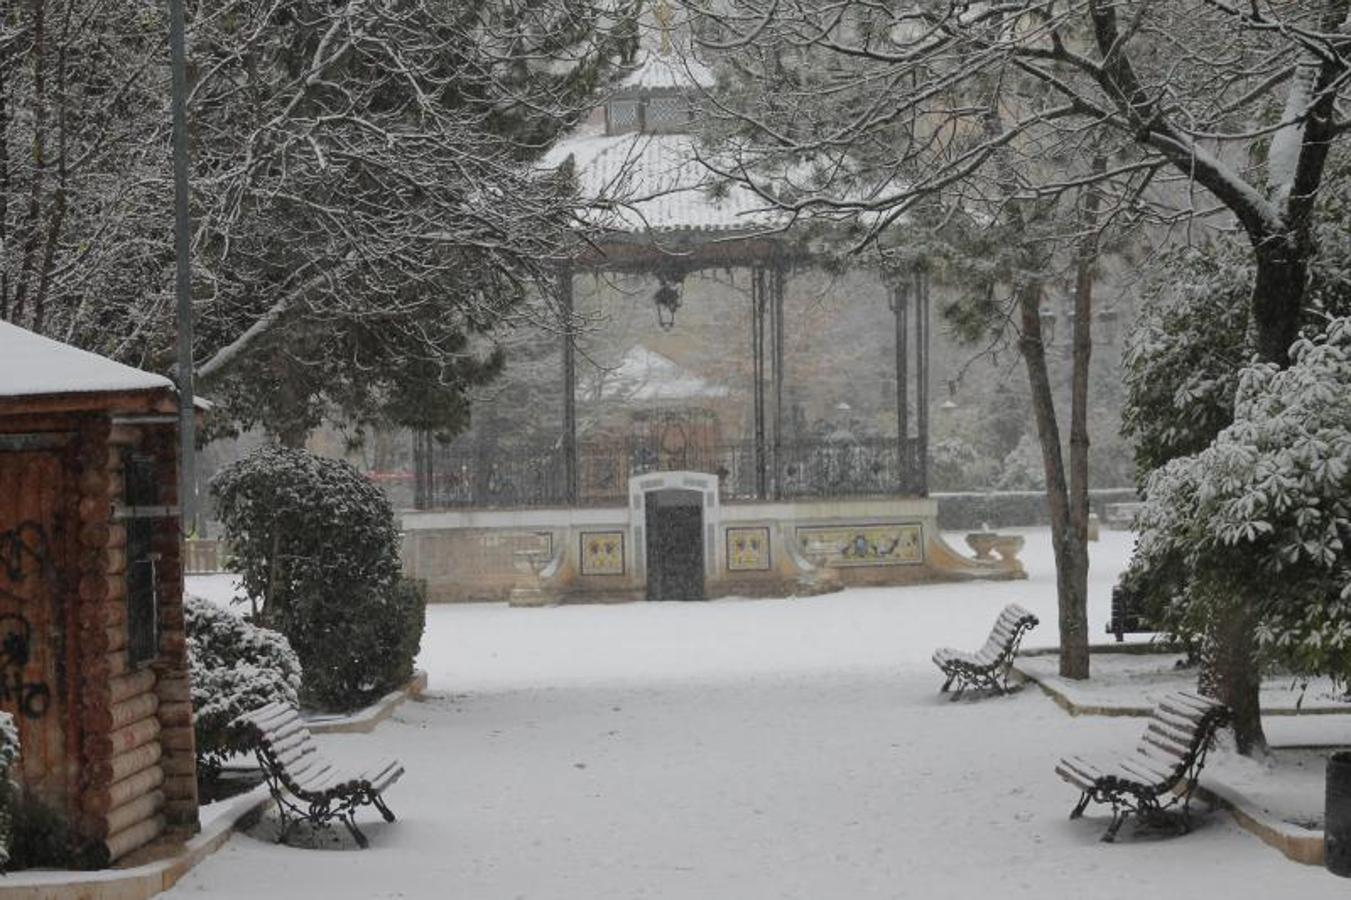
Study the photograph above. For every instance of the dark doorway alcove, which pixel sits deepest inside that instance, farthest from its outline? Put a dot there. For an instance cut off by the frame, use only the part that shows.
(675, 546)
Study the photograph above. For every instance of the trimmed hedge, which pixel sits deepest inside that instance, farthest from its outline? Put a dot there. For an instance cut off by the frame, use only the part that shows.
(1010, 509)
(318, 548)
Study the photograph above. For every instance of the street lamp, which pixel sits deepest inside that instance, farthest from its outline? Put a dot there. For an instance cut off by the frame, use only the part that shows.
(187, 439)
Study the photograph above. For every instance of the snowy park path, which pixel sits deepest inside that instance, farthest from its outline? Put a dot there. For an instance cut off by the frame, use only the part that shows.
(742, 749)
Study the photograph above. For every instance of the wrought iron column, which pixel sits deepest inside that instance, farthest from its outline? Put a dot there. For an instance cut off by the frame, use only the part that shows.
(900, 306)
(758, 290)
(569, 387)
(779, 282)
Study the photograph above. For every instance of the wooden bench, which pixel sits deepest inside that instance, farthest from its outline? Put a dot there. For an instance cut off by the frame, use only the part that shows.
(318, 790)
(1162, 771)
(989, 666)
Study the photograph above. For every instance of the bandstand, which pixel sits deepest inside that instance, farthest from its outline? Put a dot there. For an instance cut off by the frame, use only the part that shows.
(673, 510)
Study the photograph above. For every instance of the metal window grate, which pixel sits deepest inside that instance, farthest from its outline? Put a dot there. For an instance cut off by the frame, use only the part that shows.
(622, 116)
(141, 492)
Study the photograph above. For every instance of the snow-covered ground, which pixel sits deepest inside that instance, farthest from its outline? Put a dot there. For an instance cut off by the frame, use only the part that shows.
(745, 749)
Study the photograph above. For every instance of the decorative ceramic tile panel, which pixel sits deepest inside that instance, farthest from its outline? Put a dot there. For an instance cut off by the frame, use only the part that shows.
(895, 544)
(602, 552)
(748, 549)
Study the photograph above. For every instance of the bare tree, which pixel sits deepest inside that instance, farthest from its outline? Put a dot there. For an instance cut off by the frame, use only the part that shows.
(1204, 111)
(367, 197)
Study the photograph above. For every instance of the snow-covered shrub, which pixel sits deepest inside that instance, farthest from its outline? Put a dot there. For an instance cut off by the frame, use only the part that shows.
(236, 667)
(294, 520)
(317, 545)
(956, 465)
(9, 754)
(1023, 468)
(1262, 516)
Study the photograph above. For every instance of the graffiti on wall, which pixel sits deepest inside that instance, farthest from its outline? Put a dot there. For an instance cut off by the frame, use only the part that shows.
(22, 550)
(32, 698)
(23, 555)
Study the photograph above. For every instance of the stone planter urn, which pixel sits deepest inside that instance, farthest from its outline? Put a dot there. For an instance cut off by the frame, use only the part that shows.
(1008, 546)
(982, 542)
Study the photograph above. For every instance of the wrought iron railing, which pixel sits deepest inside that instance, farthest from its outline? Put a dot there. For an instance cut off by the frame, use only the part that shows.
(508, 476)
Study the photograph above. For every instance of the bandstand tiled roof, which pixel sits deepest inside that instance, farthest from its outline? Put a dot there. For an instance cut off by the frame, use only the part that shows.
(656, 183)
(666, 72)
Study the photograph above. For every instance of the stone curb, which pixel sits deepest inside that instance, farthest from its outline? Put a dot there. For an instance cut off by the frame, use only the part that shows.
(1301, 845)
(137, 882)
(364, 721)
(1093, 709)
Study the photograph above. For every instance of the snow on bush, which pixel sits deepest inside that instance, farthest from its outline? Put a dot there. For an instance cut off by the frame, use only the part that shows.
(1263, 515)
(236, 667)
(956, 465)
(1023, 468)
(9, 754)
(317, 544)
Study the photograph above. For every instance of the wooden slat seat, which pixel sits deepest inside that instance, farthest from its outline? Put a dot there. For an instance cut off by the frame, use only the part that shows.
(989, 666)
(303, 782)
(1160, 773)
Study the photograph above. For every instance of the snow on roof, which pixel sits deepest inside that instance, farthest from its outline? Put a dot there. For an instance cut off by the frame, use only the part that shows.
(644, 374)
(658, 184)
(667, 72)
(31, 364)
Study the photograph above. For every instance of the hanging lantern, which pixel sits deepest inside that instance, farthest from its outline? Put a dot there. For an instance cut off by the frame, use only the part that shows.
(950, 404)
(667, 299)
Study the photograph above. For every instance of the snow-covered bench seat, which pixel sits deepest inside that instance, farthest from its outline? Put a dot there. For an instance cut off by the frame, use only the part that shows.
(318, 790)
(1161, 772)
(989, 666)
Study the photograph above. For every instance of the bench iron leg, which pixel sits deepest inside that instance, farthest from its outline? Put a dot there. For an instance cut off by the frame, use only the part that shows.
(350, 821)
(1081, 805)
(1118, 816)
(380, 805)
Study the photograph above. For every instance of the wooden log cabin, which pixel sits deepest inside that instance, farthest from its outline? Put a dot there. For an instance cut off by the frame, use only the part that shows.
(93, 656)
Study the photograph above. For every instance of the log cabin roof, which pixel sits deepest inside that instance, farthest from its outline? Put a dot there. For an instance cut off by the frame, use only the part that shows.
(32, 365)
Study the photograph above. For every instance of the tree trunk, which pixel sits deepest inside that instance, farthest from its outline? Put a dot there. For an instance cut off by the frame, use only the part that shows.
(1278, 295)
(1277, 298)
(1069, 544)
(1240, 679)
(1074, 662)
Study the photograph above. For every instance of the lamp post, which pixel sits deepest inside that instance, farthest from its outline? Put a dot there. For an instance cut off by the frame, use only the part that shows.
(187, 436)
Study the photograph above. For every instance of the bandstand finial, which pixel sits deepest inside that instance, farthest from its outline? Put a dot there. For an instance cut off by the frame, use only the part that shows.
(665, 17)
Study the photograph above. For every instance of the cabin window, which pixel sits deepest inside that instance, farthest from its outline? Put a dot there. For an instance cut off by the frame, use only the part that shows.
(141, 497)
